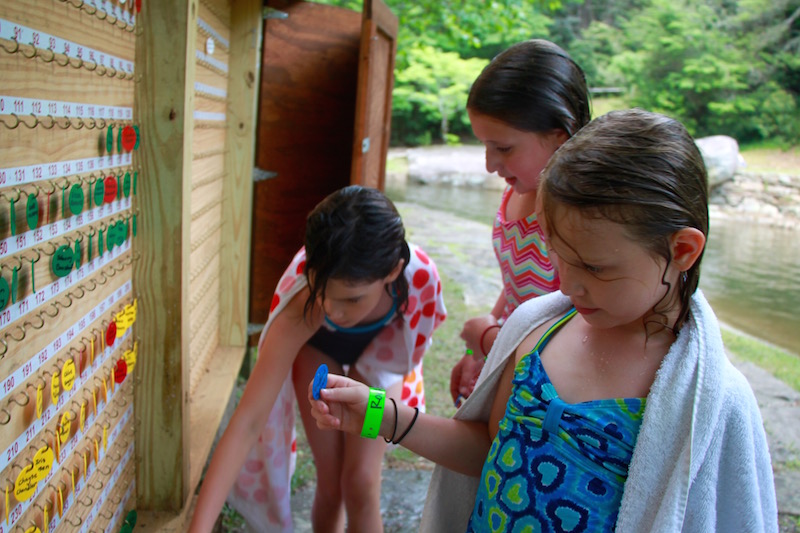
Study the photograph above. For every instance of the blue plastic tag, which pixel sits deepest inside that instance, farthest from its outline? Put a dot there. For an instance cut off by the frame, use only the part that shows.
(320, 380)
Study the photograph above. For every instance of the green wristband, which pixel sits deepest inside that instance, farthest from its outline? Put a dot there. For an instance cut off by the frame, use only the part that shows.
(374, 415)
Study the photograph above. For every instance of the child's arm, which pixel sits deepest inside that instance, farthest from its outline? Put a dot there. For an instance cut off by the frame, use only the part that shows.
(276, 354)
(459, 445)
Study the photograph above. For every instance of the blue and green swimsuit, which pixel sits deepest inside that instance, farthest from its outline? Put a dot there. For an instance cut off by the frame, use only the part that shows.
(555, 466)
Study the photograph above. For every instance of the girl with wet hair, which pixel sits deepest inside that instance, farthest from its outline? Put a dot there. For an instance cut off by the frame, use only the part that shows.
(527, 101)
(609, 405)
(364, 302)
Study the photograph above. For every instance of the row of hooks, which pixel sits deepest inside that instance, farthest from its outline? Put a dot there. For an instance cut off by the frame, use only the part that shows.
(102, 15)
(22, 398)
(64, 301)
(63, 123)
(65, 483)
(74, 62)
(77, 179)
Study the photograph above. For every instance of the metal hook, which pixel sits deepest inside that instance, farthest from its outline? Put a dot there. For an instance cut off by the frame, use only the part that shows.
(5, 347)
(68, 123)
(80, 121)
(59, 63)
(18, 402)
(26, 55)
(34, 326)
(69, 521)
(52, 55)
(7, 418)
(16, 48)
(8, 333)
(44, 311)
(52, 123)
(15, 125)
(36, 121)
(92, 68)
(48, 243)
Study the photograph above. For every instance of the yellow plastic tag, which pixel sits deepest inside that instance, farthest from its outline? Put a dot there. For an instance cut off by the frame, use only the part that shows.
(105, 390)
(64, 428)
(55, 387)
(68, 374)
(85, 464)
(43, 462)
(91, 350)
(60, 502)
(83, 415)
(26, 483)
(33, 529)
(96, 452)
(94, 399)
(39, 400)
(46, 519)
(130, 359)
(105, 437)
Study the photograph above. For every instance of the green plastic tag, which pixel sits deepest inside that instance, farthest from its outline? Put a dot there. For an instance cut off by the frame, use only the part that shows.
(110, 139)
(63, 261)
(5, 293)
(138, 137)
(14, 284)
(76, 199)
(135, 181)
(126, 185)
(99, 243)
(78, 254)
(12, 213)
(99, 192)
(32, 212)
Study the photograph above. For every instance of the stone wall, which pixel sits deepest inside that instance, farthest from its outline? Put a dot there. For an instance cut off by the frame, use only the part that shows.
(765, 198)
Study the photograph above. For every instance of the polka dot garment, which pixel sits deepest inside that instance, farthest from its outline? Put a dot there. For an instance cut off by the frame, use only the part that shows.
(261, 493)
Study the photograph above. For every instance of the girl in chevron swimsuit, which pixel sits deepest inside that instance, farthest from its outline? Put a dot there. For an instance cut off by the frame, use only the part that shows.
(523, 106)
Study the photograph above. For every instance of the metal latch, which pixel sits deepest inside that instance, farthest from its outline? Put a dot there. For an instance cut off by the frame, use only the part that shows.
(365, 145)
(260, 174)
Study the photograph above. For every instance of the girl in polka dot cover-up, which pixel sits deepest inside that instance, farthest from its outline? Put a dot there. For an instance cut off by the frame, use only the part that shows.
(376, 326)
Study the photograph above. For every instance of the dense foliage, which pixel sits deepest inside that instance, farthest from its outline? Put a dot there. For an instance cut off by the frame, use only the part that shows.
(721, 66)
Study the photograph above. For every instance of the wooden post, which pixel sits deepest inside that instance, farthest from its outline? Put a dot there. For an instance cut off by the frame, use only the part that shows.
(237, 203)
(164, 103)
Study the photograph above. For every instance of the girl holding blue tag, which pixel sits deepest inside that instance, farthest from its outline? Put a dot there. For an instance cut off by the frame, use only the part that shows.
(609, 405)
(360, 300)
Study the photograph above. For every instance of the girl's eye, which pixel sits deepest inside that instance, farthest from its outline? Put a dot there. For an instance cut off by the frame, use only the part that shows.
(503, 149)
(593, 269)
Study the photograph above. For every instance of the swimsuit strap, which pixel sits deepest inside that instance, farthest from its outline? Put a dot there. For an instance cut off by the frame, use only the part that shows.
(549, 333)
(368, 327)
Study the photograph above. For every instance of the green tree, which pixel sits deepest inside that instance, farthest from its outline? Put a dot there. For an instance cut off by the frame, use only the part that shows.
(430, 95)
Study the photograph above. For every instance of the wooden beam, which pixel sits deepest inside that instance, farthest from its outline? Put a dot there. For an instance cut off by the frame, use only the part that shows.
(237, 202)
(163, 109)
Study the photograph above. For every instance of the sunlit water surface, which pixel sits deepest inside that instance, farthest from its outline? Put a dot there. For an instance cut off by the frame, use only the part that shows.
(750, 273)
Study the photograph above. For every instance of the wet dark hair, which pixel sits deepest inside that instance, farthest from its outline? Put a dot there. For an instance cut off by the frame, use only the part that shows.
(355, 235)
(533, 86)
(639, 169)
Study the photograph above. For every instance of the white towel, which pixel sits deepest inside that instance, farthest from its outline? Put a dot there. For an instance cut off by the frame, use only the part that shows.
(701, 461)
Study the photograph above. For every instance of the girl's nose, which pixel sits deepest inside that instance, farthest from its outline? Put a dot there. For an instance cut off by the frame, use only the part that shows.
(332, 310)
(569, 280)
(492, 162)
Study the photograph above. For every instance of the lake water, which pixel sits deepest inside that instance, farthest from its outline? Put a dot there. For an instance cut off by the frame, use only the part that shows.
(750, 273)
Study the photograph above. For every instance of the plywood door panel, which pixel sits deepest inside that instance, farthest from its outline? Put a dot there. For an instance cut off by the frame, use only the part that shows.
(374, 99)
(305, 131)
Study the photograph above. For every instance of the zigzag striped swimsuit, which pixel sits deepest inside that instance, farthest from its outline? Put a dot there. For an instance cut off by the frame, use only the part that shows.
(522, 255)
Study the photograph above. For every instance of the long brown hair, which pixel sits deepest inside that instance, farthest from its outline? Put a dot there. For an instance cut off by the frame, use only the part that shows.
(639, 169)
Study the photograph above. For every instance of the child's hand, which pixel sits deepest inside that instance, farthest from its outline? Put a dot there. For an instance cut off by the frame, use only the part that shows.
(463, 377)
(342, 404)
(474, 329)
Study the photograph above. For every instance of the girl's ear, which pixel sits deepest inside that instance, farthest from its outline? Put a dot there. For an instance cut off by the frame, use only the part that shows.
(395, 271)
(686, 245)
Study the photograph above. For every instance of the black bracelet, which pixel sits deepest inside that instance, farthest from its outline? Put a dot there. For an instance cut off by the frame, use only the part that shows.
(416, 412)
(394, 429)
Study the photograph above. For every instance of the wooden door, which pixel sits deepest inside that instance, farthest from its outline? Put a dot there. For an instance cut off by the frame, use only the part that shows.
(374, 99)
(318, 61)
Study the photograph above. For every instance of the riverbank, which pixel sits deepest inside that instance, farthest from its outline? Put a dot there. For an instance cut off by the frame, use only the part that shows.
(471, 282)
